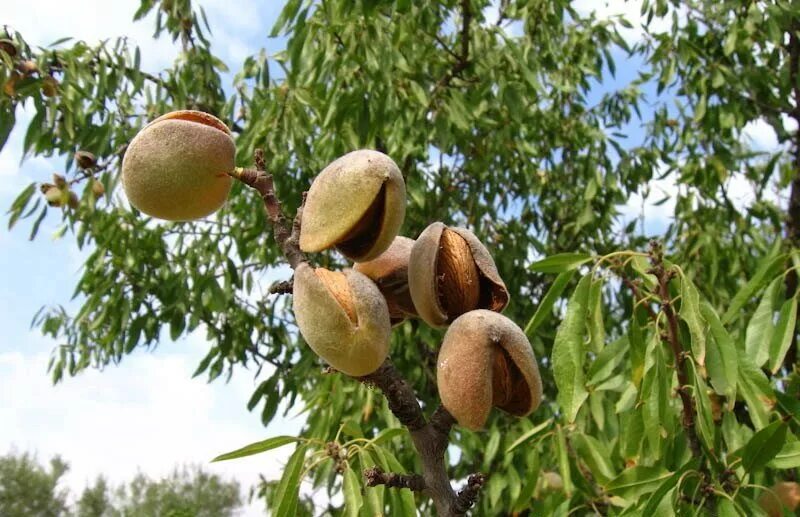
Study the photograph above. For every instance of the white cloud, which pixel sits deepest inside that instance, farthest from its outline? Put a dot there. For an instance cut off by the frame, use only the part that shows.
(631, 11)
(146, 414)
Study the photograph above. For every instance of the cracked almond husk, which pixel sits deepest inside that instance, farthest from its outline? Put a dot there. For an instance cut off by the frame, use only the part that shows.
(343, 318)
(450, 273)
(356, 204)
(389, 271)
(486, 361)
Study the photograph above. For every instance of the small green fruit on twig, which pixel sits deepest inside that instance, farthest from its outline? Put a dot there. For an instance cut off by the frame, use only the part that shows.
(176, 168)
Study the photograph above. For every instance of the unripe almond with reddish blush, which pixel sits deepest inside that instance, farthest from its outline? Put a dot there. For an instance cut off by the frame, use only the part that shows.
(785, 494)
(486, 361)
(176, 168)
(356, 204)
(389, 271)
(343, 318)
(450, 273)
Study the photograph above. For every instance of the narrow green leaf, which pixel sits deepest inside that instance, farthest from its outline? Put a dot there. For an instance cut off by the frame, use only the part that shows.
(608, 359)
(352, 493)
(373, 496)
(560, 263)
(19, 204)
(721, 361)
(760, 329)
(545, 308)
(705, 420)
(782, 337)
(530, 434)
(755, 390)
(286, 494)
(257, 447)
(667, 485)
(568, 353)
(690, 313)
(388, 434)
(768, 268)
(563, 460)
(594, 317)
(637, 481)
(37, 222)
(595, 455)
(788, 457)
(763, 446)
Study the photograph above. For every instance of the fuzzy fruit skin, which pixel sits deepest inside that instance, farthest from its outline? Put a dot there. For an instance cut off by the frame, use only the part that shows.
(356, 349)
(467, 372)
(430, 279)
(176, 168)
(390, 272)
(786, 493)
(343, 193)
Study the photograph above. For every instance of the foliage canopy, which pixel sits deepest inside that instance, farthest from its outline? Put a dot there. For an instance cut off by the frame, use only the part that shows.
(670, 370)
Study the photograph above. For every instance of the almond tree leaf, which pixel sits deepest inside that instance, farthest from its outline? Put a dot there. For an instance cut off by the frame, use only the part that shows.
(563, 460)
(768, 269)
(637, 481)
(667, 485)
(705, 420)
(545, 308)
(787, 458)
(568, 353)
(782, 337)
(286, 494)
(595, 455)
(721, 361)
(560, 262)
(258, 447)
(353, 501)
(760, 329)
(690, 313)
(594, 317)
(763, 446)
(530, 434)
(755, 389)
(608, 359)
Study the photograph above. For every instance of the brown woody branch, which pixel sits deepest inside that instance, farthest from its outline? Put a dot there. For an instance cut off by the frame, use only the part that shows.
(430, 437)
(462, 59)
(374, 476)
(673, 339)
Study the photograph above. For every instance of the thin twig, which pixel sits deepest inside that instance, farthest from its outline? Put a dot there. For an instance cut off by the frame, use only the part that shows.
(374, 476)
(673, 339)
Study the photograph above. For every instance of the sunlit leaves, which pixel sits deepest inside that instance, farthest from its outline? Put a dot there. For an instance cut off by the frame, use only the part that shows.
(257, 448)
(568, 352)
(690, 313)
(762, 447)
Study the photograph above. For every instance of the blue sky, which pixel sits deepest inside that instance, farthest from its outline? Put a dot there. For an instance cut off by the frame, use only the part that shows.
(148, 413)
